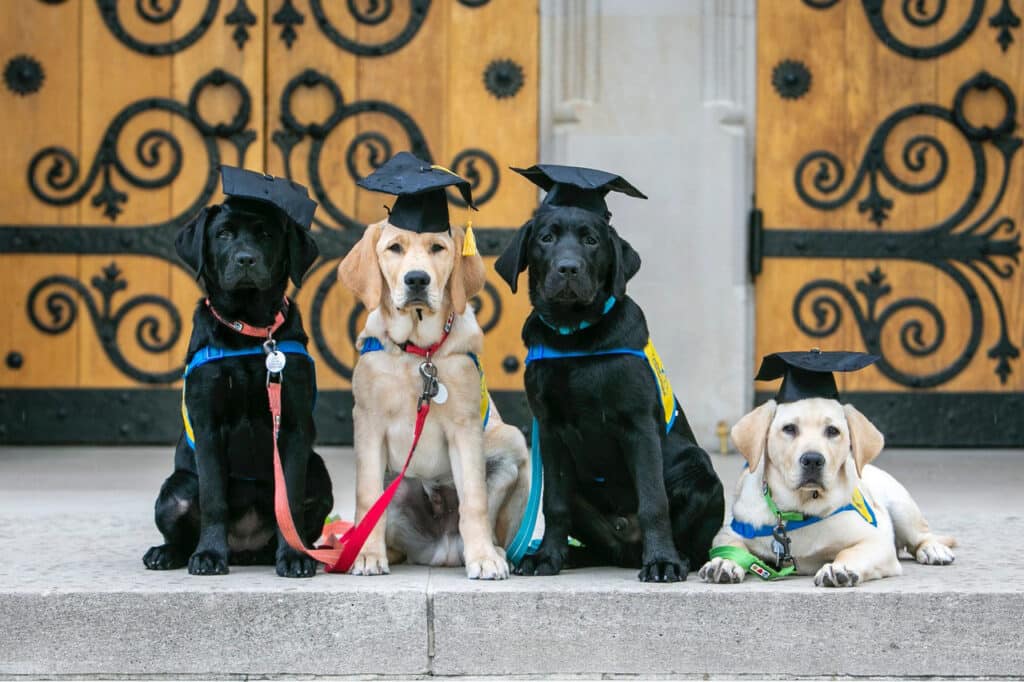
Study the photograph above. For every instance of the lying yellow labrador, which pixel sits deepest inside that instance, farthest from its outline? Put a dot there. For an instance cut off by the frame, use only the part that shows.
(469, 484)
(814, 456)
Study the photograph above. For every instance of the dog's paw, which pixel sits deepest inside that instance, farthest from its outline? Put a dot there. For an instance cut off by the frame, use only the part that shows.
(291, 564)
(208, 562)
(370, 563)
(934, 553)
(543, 562)
(490, 566)
(164, 558)
(664, 570)
(720, 570)
(836, 575)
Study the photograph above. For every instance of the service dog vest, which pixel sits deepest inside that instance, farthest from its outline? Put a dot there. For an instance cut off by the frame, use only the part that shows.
(372, 345)
(209, 354)
(649, 354)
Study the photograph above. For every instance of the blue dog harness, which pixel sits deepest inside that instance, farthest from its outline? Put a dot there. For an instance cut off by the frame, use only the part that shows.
(857, 504)
(209, 354)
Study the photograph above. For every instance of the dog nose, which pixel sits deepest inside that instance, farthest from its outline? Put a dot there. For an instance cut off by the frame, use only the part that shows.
(417, 279)
(245, 259)
(814, 461)
(568, 268)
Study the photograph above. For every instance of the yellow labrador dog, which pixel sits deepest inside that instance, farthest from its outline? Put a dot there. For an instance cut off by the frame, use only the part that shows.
(411, 282)
(814, 456)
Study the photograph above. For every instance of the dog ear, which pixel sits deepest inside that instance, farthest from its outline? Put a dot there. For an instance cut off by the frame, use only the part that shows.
(750, 434)
(866, 441)
(191, 240)
(512, 260)
(360, 270)
(302, 251)
(468, 274)
(625, 263)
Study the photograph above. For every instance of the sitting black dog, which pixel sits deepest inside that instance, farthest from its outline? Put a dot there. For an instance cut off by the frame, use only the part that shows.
(218, 505)
(622, 469)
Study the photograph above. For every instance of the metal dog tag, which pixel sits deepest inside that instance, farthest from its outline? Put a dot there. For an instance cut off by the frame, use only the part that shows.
(442, 394)
(275, 362)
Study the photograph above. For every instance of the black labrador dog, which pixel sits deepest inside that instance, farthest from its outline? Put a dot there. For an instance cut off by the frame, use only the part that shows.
(634, 495)
(217, 508)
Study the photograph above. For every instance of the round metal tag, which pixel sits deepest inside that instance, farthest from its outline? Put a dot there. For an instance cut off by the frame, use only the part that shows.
(442, 394)
(275, 361)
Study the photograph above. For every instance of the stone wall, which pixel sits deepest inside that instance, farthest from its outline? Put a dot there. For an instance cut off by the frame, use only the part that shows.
(662, 92)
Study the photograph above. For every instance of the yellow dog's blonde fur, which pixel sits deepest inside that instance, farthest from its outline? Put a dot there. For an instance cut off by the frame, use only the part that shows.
(490, 469)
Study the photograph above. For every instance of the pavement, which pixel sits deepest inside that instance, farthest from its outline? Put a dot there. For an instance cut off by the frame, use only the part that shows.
(75, 600)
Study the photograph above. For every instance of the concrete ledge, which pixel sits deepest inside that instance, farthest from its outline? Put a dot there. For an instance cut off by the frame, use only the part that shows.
(76, 601)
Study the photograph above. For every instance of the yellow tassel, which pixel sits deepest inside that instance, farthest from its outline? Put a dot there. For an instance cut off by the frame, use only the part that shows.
(469, 243)
(442, 168)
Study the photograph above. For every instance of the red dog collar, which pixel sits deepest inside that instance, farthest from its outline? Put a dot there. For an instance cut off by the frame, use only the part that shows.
(410, 347)
(248, 329)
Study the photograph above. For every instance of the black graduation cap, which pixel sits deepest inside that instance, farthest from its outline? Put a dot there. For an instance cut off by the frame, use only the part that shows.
(809, 374)
(575, 186)
(422, 203)
(290, 197)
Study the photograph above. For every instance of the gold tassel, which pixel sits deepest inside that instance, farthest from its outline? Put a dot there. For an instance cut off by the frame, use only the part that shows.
(469, 243)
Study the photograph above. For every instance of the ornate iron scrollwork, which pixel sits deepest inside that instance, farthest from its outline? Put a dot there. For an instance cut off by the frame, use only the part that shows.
(24, 75)
(240, 17)
(985, 246)
(152, 12)
(287, 17)
(62, 171)
(368, 150)
(61, 312)
(922, 14)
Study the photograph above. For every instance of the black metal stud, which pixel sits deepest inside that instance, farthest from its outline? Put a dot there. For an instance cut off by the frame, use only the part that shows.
(791, 79)
(24, 75)
(503, 78)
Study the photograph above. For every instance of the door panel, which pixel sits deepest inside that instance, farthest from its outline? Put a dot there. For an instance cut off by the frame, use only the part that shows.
(112, 141)
(887, 151)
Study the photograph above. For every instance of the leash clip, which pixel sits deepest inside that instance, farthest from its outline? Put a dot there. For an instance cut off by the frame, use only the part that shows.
(780, 545)
(428, 370)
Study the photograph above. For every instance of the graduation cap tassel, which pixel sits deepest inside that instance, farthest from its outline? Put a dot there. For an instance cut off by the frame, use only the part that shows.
(469, 243)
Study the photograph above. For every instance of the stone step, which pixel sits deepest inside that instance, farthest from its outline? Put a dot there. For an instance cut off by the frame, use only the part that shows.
(75, 601)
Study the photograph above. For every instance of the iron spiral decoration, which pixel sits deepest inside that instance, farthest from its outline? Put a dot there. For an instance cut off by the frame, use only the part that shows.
(973, 240)
(155, 12)
(922, 14)
(367, 150)
(52, 308)
(54, 171)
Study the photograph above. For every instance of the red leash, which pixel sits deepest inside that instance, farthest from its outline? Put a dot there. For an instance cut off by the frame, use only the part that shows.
(339, 557)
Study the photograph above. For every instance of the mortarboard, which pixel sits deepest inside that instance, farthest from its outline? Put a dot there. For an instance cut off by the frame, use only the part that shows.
(575, 186)
(422, 203)
(808, 374)
(291, 197)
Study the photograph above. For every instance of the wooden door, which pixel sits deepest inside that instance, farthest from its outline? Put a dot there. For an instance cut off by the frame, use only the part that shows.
(116, 116)
(888, 176)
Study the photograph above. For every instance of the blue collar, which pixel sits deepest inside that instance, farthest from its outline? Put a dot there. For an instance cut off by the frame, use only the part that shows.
(565, 331)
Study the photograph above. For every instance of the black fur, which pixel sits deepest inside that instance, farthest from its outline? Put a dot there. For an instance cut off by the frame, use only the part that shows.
(632, 494)
(217, 508)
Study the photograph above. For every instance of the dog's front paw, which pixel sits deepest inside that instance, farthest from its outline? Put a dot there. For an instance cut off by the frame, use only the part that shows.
(208, 562)
(720, 570)
(934, 553)
(164, 558)
(489, 565)
(543, 562)
(836, 575)
(292, 564)
(370, 563)
(664, 569)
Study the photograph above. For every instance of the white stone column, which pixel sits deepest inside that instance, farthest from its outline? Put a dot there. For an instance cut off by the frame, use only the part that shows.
(662, 92)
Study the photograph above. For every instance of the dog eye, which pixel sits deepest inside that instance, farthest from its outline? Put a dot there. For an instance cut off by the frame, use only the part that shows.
(790, 429)
(395, 248)
(547, 238)
(590, 241)
(831, 431)
(224, 234)
(264, 235)
(436, 248)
